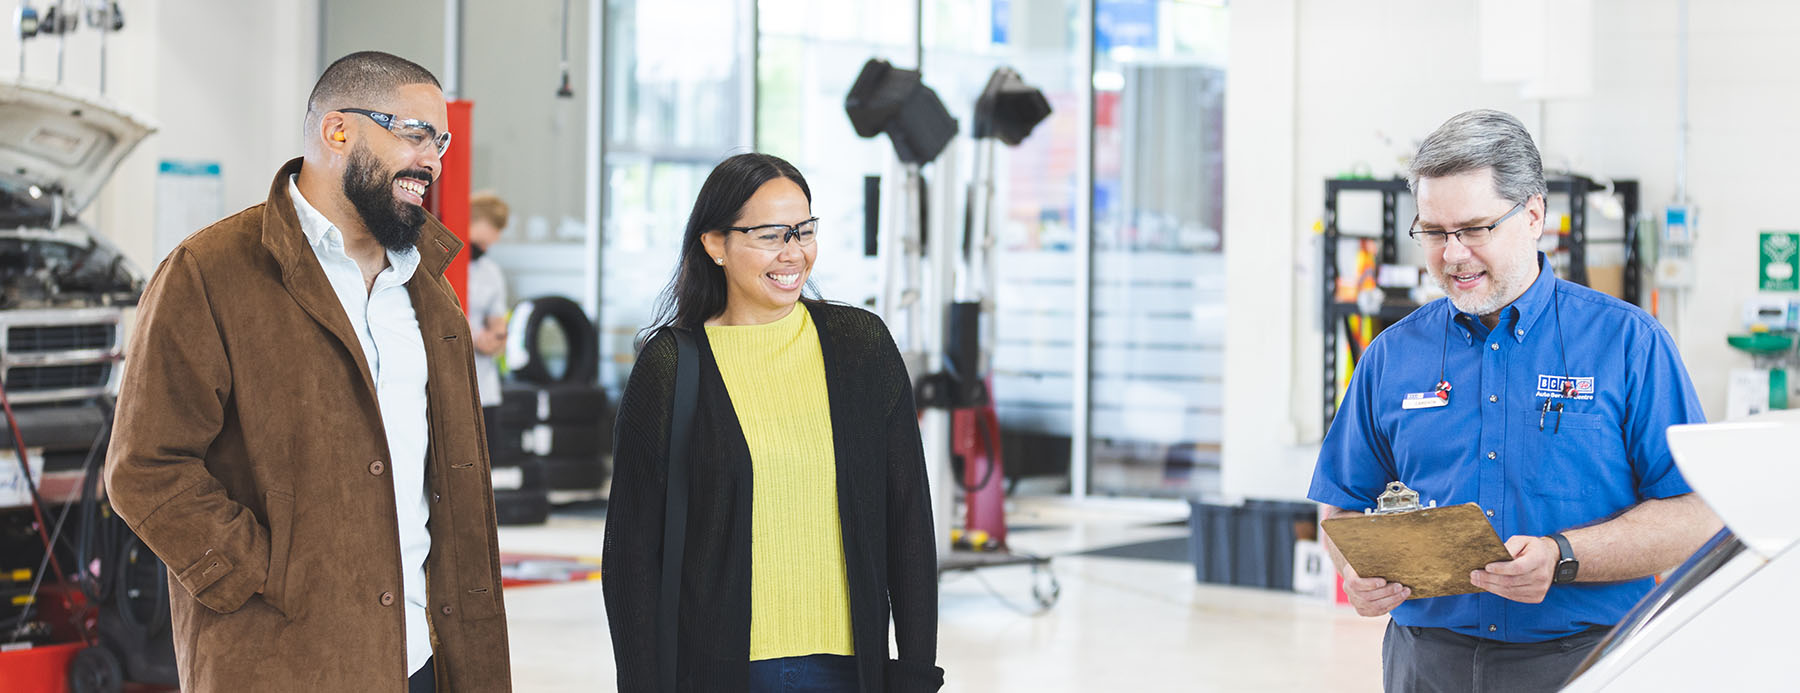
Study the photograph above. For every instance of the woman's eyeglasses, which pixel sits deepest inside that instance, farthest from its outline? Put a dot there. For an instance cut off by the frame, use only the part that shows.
(775, 236)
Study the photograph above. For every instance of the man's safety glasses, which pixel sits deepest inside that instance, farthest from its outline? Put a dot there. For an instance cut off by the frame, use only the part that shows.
(417, 132)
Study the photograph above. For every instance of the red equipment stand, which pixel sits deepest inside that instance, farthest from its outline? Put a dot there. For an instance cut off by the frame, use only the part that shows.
(448, 197)
(975, 436)
(981, 543)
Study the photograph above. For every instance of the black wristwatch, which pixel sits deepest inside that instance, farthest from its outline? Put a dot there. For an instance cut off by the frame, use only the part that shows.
(1567, 566)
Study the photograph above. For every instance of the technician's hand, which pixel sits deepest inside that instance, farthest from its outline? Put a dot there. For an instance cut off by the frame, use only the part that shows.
(487, 342)
(1527, 576)
(1373, 596)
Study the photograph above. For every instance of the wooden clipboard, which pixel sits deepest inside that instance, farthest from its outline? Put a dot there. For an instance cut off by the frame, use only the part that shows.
(1431, 550)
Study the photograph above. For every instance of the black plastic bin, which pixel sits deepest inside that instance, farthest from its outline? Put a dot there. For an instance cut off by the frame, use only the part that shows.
(1249, 545)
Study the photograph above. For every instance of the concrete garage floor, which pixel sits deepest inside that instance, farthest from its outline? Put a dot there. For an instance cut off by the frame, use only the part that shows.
(1121, 624)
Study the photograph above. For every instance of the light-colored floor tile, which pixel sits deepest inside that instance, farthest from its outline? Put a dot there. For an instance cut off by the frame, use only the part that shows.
(1120, 625)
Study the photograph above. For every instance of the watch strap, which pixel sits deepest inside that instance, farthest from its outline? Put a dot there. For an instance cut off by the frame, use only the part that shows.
(1566, 565)
(1562, 544)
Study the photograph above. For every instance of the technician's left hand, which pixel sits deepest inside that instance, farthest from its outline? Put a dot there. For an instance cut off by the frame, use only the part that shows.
(1527, 576)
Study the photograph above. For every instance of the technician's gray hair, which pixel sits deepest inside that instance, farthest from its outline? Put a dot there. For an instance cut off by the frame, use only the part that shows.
(1479, 139)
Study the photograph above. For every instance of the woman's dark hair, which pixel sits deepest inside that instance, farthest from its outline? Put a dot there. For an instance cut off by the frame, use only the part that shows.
(696, 292)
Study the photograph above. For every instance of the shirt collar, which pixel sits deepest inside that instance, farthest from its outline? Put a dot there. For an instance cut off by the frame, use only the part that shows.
(323, 235)
(1520, 316)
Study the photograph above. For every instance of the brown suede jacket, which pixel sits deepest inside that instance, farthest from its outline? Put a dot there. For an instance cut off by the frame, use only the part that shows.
(249, 454)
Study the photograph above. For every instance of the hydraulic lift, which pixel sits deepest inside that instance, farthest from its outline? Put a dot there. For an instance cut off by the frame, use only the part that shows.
(938, 293)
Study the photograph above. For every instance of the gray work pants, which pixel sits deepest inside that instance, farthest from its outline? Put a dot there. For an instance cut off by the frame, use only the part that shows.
(1439, 660)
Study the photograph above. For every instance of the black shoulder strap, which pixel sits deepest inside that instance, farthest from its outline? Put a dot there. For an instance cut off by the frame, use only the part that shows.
(668, 598)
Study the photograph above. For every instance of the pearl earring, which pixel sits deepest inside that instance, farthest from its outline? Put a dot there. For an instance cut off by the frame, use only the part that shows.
(719, 260)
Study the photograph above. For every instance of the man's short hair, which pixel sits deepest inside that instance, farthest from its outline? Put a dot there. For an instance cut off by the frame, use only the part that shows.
(489, 207)
(366, 79)
(1480, 139)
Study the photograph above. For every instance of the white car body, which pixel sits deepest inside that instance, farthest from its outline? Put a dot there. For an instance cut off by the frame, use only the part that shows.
(1723, 621)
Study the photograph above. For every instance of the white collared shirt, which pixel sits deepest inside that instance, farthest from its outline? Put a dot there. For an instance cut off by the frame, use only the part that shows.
(388, 331)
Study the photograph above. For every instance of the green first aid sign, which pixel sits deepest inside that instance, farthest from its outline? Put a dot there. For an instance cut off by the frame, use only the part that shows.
(1779, 269)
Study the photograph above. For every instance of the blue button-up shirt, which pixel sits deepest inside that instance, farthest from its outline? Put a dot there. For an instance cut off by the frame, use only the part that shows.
(1603, 453)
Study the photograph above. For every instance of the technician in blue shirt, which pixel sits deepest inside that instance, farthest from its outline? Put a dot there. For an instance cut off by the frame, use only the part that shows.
(1541, 400)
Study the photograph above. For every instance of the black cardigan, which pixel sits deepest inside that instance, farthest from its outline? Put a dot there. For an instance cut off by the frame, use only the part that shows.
(883, 506)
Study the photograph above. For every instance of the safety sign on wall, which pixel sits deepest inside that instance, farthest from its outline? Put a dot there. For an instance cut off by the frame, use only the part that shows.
(1779, 268)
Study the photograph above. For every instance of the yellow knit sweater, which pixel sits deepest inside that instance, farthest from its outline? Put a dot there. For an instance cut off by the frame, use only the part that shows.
(799, 595)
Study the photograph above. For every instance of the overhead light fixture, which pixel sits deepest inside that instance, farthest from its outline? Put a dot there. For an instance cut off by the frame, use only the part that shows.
(896, 101)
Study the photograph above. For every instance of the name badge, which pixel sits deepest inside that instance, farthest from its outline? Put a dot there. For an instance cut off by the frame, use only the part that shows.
(1422, 400)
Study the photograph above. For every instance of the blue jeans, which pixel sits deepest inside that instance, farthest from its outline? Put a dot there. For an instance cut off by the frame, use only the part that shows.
(820, 673)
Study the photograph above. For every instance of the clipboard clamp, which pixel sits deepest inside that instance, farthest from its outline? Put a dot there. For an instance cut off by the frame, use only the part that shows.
(1397, 499)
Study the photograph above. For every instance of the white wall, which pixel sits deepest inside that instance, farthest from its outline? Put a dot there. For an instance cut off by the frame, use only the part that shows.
(223, 80)
(1348, 74)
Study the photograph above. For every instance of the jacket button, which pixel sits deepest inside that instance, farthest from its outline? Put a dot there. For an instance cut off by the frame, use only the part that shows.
(376, 467)
(447, 609)
(387, 598)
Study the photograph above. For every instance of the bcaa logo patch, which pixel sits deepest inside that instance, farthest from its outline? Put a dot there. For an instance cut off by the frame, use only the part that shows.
(1564, 386)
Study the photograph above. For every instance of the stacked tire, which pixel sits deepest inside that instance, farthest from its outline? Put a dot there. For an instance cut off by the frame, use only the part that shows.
(520, 496)
(554, 420)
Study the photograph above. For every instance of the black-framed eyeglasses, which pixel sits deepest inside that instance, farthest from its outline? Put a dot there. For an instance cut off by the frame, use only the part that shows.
(1471, 237)
(775, 236)
(417, 132)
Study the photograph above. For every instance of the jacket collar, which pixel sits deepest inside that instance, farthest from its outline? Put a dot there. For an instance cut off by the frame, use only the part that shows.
(306, 281)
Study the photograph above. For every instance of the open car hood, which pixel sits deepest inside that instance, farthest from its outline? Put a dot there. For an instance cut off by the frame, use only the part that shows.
(62, 142)
(1745, 470)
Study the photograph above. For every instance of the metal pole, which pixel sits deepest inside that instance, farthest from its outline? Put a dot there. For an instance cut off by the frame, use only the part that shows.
(595, 209)
(453, 49)
(104, 28)
(747, 35)
(1081, 401)
(1681, 103)
(919, 36)
(938, 290)
(323, 59)
(62, 39)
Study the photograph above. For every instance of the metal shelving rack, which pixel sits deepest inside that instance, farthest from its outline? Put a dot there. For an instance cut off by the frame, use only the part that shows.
(1575, 243)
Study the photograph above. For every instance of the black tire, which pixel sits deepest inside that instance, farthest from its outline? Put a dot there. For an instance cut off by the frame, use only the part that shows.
(508, 443)
(584, 473)
(518, 404)
(583, 357)
(567, 440)
(530, 475)
(96, 670)
(522, 507)
(555, 403)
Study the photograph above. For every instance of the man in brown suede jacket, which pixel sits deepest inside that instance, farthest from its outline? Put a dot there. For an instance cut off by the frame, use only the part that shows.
(298, 435)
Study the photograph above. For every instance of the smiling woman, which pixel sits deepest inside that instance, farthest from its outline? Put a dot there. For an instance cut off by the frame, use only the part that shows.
(807, 517)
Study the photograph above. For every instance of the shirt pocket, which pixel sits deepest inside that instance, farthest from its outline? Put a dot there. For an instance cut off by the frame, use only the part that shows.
(1564, 455)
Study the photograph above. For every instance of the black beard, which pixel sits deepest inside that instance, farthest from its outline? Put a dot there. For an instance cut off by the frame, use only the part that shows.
(394, 224)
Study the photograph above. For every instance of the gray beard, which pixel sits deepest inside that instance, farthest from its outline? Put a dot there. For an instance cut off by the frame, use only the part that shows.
(1503, 293)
